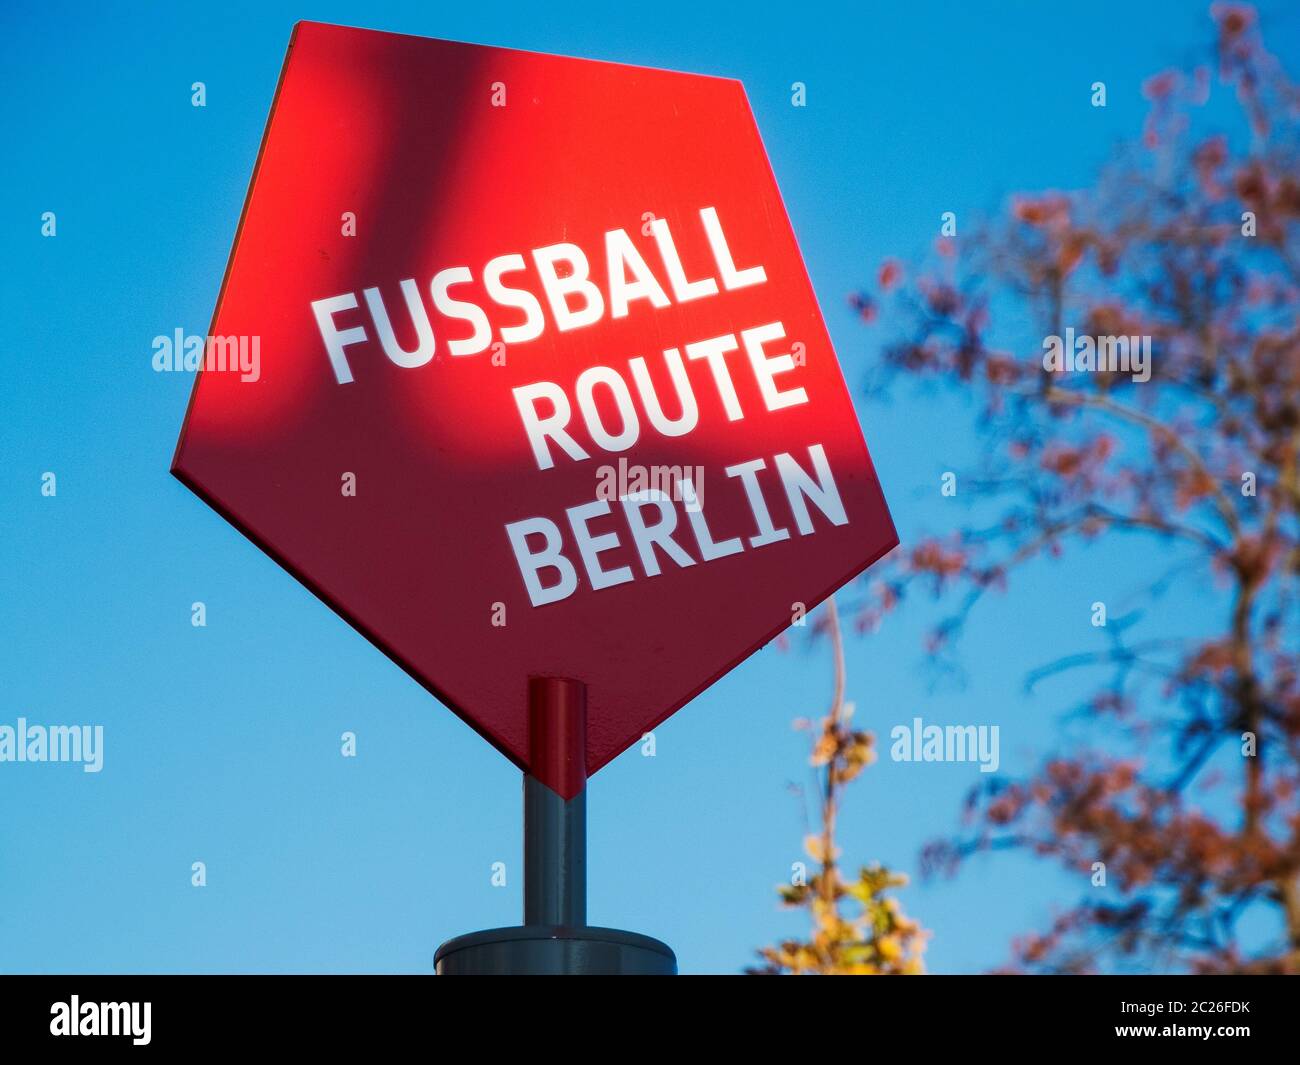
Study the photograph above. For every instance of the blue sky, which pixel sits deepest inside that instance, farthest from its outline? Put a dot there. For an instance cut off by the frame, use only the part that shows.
(222, 743)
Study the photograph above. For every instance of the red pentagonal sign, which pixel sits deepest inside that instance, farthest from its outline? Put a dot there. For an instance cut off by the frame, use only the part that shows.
(516, 366)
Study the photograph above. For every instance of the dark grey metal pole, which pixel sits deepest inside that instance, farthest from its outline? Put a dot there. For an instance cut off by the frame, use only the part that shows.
(555, 937)
(555, 856)
(555, 803)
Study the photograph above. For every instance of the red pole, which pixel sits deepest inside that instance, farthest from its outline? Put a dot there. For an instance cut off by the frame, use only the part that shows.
(557, 733)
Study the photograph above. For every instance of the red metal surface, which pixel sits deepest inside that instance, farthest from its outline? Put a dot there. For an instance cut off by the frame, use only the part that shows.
(407, 135)
(557, 738)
